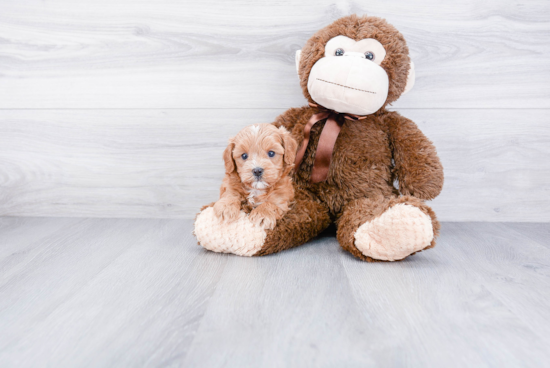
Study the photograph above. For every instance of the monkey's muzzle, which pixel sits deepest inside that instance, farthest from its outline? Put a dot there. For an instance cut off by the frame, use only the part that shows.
(349, 84)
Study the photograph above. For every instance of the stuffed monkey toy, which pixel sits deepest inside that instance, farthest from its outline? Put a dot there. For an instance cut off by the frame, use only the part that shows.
(360, 166)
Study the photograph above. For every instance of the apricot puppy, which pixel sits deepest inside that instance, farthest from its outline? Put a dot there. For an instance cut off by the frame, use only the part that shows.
(258, 161)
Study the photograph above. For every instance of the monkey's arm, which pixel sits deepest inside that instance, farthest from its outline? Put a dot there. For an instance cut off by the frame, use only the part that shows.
(418, 168)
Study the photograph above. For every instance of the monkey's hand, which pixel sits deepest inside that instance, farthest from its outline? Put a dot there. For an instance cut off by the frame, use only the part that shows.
(417, 165)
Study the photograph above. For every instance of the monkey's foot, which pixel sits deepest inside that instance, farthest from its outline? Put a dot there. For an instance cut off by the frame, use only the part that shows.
(241, 237)
(400, 231)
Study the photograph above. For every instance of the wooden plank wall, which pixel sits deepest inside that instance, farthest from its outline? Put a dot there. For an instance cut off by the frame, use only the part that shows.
(122, 108)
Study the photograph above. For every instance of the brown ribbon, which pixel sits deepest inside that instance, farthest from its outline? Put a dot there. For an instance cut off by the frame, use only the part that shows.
(328, 137)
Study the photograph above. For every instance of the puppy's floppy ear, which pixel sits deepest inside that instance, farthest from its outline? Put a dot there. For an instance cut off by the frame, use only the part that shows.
(230, 165)
(290, 146)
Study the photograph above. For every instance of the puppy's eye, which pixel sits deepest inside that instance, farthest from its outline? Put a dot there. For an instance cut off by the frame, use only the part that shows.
(369, 55)
(339, 52)
(244, 156)
(271, 153)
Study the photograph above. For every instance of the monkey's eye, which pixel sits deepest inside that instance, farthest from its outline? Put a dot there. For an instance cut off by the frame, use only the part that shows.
(339, 52)
(271, 154)
(369, 55)
(244, 156)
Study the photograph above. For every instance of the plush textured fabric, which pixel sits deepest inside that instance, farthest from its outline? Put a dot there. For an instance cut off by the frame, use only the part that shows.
(401, 230)
(367, 210)
(363, 85)
(268, 197)
(240, 237)
(348, 45)
(375, 219)
(411, 79)
(359, 28)
(305, 220)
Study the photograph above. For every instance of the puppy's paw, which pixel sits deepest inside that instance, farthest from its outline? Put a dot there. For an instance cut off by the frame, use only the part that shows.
(262, 216)
(207, 205)
(227, 211)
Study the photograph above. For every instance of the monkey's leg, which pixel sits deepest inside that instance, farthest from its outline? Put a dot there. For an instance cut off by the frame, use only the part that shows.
(305, 220)
(387, 229)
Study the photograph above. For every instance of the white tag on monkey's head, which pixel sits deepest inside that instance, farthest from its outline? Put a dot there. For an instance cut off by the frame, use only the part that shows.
(411, 77)
(297, 60)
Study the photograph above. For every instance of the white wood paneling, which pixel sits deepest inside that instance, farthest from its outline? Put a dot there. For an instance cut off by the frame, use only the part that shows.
(167, 163)
(228, 54)
(121, 108)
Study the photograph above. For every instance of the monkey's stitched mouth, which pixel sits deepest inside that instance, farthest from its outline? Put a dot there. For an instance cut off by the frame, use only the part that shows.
(341, 85)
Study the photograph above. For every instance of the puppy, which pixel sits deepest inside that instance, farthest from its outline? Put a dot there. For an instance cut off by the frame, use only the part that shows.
(258, 161)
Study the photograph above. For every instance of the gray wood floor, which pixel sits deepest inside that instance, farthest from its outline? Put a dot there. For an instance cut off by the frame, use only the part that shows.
(140, 292)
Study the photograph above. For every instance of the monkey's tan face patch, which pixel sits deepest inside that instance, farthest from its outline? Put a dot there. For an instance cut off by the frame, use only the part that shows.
(348, 84)
(347, 45)
(349, 79)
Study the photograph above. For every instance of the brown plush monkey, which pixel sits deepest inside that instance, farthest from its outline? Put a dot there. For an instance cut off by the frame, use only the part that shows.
(352, 152)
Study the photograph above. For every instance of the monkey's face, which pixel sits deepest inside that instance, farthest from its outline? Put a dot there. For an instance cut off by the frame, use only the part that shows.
(356, 65)
(349, 77)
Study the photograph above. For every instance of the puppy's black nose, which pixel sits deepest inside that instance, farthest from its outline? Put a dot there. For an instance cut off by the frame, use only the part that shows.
(257, 171)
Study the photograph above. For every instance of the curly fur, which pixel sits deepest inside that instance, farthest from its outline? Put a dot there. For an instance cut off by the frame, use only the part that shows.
(397, 61)
(268, 197)
(369, 155)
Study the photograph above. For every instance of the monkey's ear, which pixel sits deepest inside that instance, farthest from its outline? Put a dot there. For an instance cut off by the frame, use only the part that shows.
(290, 146)
(228, 157)
(297, 59)
(410, 79)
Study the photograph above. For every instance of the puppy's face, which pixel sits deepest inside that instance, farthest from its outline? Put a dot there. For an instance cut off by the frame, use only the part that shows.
(261, 154)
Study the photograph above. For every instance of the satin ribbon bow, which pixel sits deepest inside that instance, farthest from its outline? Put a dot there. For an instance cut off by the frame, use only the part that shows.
(328, 137)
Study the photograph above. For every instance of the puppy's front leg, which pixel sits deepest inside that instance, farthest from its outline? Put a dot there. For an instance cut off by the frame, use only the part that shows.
(229, 205)
(227, 208)
(266, 215)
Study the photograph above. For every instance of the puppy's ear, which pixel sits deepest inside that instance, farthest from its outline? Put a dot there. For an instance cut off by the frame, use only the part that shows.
(290, 146)
(228, 157)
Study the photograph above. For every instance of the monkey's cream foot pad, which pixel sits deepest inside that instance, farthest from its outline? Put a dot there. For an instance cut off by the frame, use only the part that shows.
(240, 237)
(400, 231)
